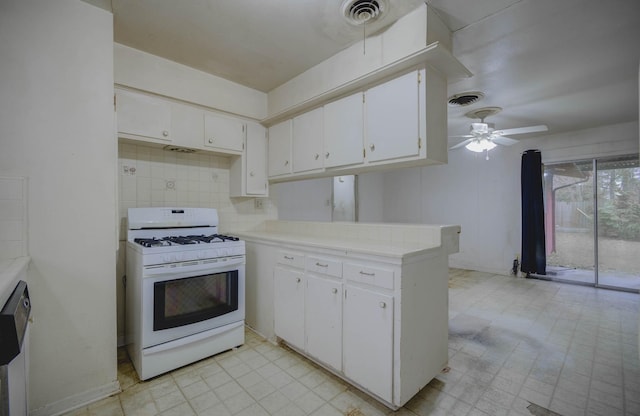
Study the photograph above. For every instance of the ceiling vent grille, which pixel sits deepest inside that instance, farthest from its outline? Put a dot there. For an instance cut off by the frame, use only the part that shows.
(465, 98)
(358, 12)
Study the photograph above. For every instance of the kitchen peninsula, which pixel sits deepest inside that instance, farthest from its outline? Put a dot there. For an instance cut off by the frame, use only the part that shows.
(369, 302)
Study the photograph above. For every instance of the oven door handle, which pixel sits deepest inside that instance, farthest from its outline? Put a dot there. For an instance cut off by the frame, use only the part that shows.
(219, 266)
(190, 339)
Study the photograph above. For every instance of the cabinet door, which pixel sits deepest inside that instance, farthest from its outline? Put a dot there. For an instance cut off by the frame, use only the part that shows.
(280, 149)
(223, 132)
(392, 123)
(256, 154)
(187, 126)
(144, 116)
(368, 340)
(343, 131)
(324, 320)
(307, 141)
(289, 306)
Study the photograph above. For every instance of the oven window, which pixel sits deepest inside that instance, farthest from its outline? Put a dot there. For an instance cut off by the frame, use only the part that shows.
(193, 299)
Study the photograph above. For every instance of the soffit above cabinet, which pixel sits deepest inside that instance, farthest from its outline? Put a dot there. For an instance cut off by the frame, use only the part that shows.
(417, 40)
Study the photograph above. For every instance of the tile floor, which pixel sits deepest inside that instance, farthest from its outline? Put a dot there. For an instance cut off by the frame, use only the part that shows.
(517, 347)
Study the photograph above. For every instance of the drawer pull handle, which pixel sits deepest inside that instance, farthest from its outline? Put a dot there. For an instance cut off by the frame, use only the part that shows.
(288, 258)
(367, 274)
(334, 290)
(297, 280)
(316, 156)
(321, 265)
(165, 133)
(383, 305)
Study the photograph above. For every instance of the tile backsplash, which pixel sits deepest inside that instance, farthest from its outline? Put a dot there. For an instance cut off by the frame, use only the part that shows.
(13, 217)
(153, 177)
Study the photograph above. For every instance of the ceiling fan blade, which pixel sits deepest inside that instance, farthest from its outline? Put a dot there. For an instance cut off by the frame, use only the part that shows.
(464, 135)
(505, 141)
(521, 130)
(462, 143)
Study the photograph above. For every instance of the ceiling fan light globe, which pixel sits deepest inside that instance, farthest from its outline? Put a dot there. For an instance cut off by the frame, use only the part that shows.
(479, 146)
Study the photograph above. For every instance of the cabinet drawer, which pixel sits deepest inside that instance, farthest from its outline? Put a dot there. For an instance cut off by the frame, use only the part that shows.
(324, 266)
(369, 275)
(291, 259)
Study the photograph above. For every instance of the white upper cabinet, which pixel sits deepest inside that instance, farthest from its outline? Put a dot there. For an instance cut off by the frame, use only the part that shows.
(343, 131)
(392, 119)
(280, 149)
(248, 173)
(307, 141)
(187, 126)
(144, 117)
(223, 132)
(256, 155)
(399, 123)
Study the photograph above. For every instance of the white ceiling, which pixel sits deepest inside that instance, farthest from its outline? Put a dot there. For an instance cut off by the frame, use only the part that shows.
(570, 64)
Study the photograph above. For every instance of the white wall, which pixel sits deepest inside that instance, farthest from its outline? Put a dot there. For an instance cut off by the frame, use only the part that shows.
(57, 129)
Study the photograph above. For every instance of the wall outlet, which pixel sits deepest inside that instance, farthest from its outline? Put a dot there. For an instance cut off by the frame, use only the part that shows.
(258, 203)
(128, 170)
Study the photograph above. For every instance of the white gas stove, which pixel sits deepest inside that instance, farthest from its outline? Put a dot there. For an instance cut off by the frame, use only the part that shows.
(165, 235)
(185, 288)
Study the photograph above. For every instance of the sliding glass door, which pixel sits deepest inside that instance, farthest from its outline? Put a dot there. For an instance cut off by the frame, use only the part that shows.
(618, 222)
(569, 223)
(592, 222)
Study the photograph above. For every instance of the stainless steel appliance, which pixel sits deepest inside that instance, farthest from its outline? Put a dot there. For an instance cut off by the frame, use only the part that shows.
(185, 288)
(14, 320)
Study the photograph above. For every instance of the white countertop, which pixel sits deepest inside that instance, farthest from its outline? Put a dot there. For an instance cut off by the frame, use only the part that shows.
(11, 271)
(393, 249)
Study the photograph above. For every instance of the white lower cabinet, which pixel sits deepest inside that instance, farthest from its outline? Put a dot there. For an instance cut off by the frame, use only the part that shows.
(288, 313)
(368, 340)
(379, 322)
(323, 315)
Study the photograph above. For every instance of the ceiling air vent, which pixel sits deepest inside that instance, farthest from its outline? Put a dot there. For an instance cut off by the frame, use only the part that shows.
(358, 12)
(465, 98)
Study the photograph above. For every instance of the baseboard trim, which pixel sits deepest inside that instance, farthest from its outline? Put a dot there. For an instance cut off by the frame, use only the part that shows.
(77, 400)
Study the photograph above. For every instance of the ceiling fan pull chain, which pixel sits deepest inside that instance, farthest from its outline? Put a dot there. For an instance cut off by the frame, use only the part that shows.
(364, 38)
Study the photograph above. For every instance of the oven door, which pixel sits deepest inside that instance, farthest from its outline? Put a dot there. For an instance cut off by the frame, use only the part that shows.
(191, 297)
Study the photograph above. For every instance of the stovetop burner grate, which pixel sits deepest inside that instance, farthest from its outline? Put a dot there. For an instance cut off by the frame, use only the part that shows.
(151, 242)
(184, 240)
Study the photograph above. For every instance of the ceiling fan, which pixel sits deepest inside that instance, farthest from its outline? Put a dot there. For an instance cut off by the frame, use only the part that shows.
(484, 137)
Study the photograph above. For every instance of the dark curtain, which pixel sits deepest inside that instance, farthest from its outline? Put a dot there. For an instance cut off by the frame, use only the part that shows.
(534, 259)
